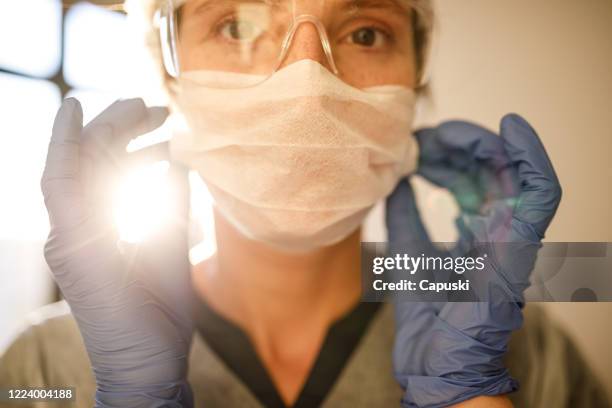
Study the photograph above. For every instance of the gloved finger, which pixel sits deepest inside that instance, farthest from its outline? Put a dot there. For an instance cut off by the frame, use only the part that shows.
(164, 255)
(476, 188)
(106, 137)
(497, 186)
(401, 206)
(149, 154)
(540, 188)
(100, 178)
(414, 323)
(458, 144)
(469, 161)
(63, 154)
(430, 148)
(60, 181)
(495, 226)
(435, 159)
(126, 116)
(462, 185)
(128, 119)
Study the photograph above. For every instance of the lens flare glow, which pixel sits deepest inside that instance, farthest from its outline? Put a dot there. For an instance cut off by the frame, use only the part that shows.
(143, 202)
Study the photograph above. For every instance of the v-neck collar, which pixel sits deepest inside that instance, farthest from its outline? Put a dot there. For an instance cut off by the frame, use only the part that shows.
(235, 349)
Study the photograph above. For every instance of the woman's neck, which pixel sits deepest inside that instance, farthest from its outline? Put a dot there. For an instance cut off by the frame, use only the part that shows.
(284, 302)
(267, 291)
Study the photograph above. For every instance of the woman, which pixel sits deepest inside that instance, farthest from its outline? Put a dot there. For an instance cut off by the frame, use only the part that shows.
(297, 114)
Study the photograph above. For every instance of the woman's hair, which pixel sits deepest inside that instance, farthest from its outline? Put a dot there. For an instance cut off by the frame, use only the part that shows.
(142, 14)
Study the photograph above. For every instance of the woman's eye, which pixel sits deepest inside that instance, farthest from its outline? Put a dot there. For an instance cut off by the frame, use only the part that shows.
(367, 37)
(236, 30)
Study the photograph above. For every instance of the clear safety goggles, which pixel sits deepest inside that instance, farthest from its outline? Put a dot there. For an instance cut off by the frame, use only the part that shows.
(364, 42)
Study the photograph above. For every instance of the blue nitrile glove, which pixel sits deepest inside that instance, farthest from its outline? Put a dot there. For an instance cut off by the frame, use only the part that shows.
(508, 193)
(128, 300)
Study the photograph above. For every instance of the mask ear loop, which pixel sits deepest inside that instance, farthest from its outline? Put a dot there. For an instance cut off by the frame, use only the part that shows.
(307, 18)
(168, 38)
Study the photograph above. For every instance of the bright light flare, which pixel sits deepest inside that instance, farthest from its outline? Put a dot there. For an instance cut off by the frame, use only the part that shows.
(144, 202)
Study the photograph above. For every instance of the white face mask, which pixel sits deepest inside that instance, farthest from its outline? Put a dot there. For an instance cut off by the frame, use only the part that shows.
(298, 160)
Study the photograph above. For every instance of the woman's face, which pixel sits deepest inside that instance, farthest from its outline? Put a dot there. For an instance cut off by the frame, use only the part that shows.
(371, 41)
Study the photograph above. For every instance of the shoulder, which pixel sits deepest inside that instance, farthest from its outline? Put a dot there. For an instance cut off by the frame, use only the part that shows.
(49, 352)
(549, 366)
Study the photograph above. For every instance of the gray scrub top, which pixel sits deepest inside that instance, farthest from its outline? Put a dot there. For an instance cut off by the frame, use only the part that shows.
(550, 369)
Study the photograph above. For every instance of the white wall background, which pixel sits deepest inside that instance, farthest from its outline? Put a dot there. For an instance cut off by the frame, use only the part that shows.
(550, 61)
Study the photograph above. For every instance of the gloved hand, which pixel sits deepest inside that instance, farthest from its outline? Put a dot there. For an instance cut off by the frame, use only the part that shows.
(508, 193)
(129, 302)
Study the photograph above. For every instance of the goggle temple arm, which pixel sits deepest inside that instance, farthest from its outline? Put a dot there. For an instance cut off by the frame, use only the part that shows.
(168, 33)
